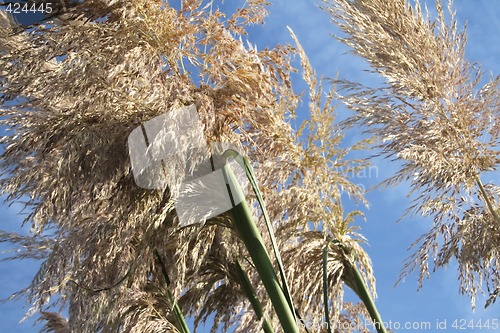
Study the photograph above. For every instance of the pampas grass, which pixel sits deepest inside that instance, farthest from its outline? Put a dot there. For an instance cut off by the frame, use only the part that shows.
(434, 116)
(75, 86)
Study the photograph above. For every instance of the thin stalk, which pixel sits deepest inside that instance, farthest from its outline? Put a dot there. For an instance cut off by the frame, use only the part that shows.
(325, 289)
(251, 237)
(181, 321)
(254, 301)
(274, 243)
(487, 200)
(245, 163)
(363, 293)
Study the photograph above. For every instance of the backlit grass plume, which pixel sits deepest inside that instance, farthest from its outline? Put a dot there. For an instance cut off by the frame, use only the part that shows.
(74, 88)
(435, 116)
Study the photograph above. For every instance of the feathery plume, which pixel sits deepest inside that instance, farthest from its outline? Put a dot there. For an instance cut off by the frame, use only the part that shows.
(434, 115)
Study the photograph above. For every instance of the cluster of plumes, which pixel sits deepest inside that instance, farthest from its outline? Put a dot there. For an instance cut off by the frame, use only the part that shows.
(433, 115)
(73, 89)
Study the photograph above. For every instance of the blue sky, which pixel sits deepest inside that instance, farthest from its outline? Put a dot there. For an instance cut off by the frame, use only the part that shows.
(439, 299)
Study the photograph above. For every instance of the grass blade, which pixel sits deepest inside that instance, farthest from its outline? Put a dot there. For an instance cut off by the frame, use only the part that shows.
(181, 321)
(251, 178)
(325, 288)
(254, 301)
(358, 285)
(251, 237)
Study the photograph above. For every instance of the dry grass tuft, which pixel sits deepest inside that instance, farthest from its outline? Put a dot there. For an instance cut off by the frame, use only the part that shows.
(72, 91)
(434, 115)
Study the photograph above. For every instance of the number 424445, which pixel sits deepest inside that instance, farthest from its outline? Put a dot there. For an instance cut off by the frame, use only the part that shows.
(18, 8)
(463, 324)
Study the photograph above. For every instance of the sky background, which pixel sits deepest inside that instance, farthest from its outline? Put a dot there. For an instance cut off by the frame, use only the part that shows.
(388, 240)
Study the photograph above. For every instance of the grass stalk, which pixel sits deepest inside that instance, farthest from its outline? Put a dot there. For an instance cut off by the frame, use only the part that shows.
(356, 282)
(325, 289)
(251, 237)
(487, 200)
(274, 243)
(181, 321)
(364, 294)
(252, 297)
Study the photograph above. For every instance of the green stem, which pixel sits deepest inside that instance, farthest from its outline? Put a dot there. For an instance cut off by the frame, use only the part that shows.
(487, 200)
(250, 235)
(364, 294)
(181, 321)
(254, 301)
(274, 242)
(325, 289)
(245, 163)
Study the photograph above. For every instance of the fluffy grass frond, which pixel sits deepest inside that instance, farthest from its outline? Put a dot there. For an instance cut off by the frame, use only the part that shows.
(74, 88)
(434, 115)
